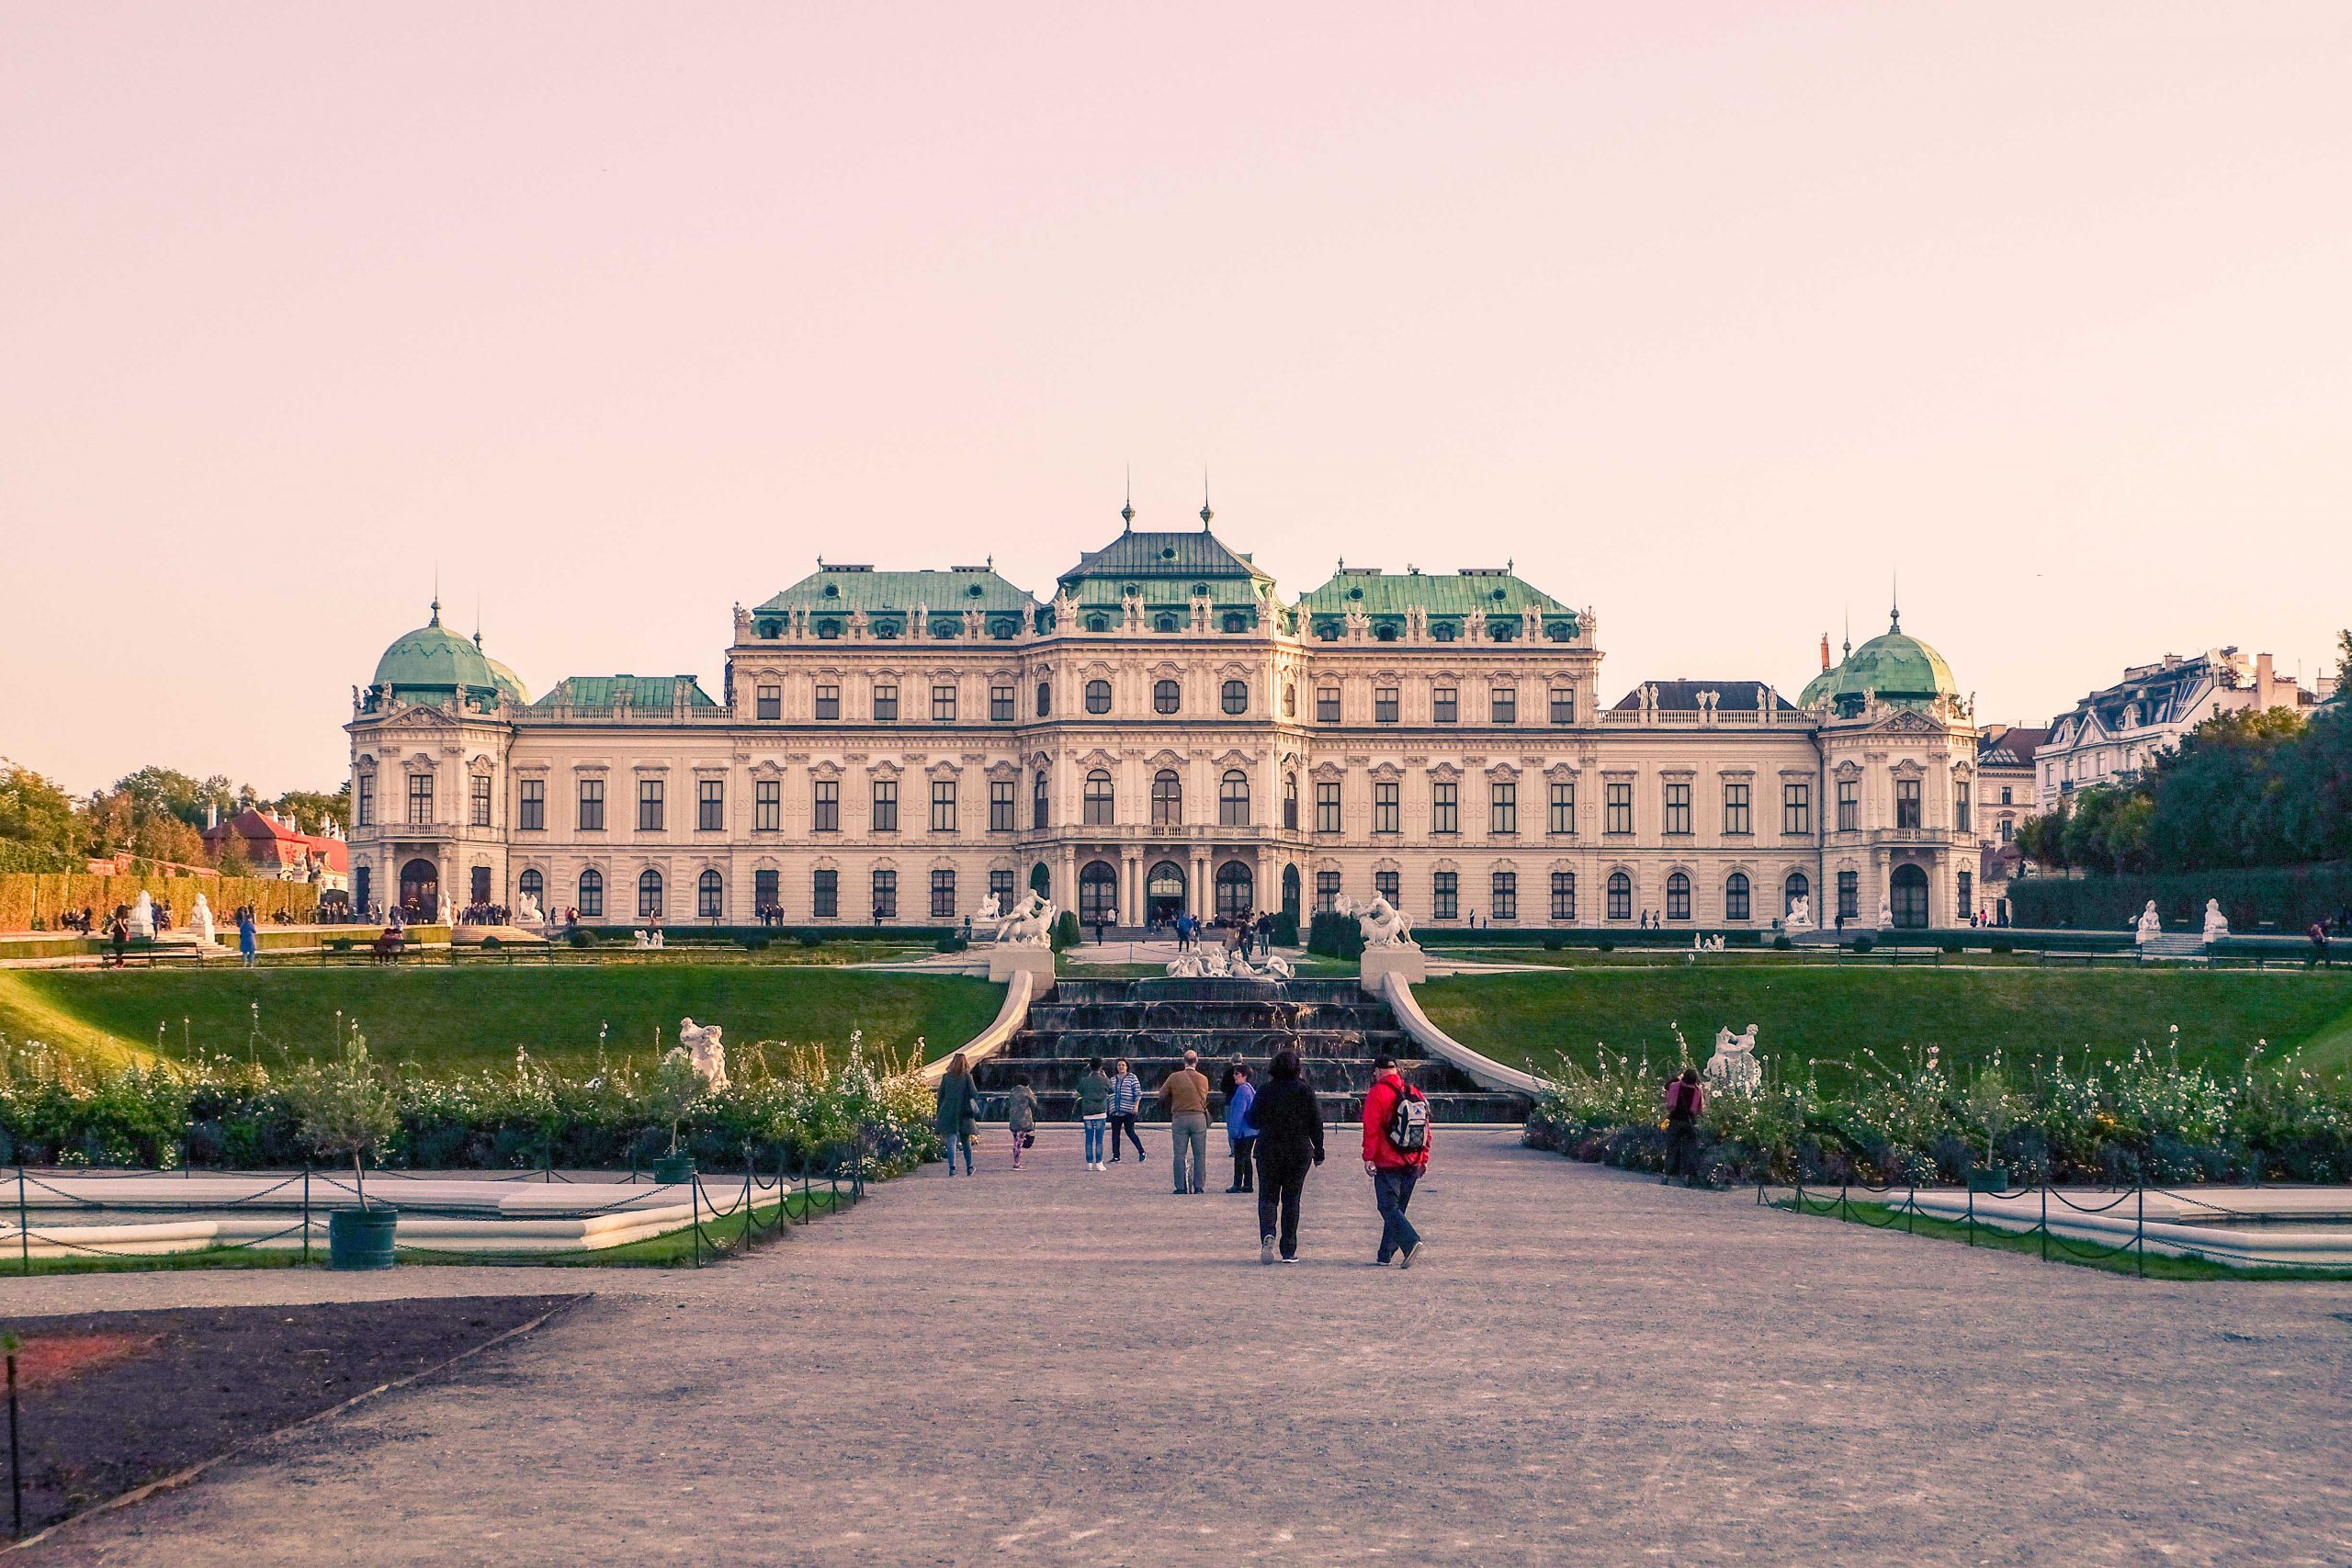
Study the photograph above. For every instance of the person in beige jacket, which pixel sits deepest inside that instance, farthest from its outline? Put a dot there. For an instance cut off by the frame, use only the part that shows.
(1185, 1093)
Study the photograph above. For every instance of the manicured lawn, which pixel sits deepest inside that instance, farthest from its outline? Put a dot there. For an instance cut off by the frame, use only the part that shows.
(1835, 1014)
(445, 1017)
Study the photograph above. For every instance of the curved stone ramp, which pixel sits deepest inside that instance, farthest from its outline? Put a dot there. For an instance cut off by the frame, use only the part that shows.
(1397, 992)
(1020, 988)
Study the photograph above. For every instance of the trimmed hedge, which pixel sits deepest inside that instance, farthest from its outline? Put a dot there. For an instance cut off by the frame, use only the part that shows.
(26, 897)
(2290, 897)
(1334, 936)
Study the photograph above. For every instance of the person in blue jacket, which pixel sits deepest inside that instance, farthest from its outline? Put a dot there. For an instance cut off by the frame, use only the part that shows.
(1239, 1129)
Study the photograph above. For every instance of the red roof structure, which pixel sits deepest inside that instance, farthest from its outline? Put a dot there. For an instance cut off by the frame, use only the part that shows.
(274, 845)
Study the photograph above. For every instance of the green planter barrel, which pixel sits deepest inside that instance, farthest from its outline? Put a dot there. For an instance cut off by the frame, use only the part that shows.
(674, 1169)
(361, 1239)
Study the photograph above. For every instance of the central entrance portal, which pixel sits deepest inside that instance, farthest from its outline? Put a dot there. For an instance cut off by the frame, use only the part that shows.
(1163, 893)
(421, 888)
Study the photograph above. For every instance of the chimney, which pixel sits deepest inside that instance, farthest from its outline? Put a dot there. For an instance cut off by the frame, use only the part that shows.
(2266, 680)
(1825, 651)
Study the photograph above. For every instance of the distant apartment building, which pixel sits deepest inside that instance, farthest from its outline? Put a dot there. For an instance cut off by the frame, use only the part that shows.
(2112, 734)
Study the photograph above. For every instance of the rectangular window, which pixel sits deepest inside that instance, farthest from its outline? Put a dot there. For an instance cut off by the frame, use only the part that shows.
(1563, 895)
(1045, 698)
(1000, 704)
(1849, 895)
(477, 788)
(1038, 808)
(365, 815)
(1001, 887)
(1850, 805)
(1386, 884)
(886, 702)
(710, 805)
(1502, 807)
(828, 702)
(1796, 809)
(767, 804)
(1564, 705)
(825, 806)
(771, 701)
(1563, 808)
(942, 705)
(1384, 813)
(1445, 895)
(531, 805)
(1967, 897)
(592, 805)
(1326, 704)
(1445, 704)
(767, 894)
(825, 895)
(942, 806)
(886, 897)
(2004, 797)
(885, 817)
(649, 805)
(1445, 807)
(1735, 816)
(1384, 705)
(1678, 808)
(1327, 806)
(1907, 803)
(420, 798)
(1000, 806)
(1326, 892)
(943, 895)
(1618, 800)
(1505, 900)
(1960, 807)
(1503, 704)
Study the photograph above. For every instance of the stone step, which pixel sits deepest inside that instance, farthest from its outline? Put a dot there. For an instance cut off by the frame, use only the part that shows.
(1061, 1074)
(1339, 1109)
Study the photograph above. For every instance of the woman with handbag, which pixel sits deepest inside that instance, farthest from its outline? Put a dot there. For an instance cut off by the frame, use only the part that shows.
(960, 1111)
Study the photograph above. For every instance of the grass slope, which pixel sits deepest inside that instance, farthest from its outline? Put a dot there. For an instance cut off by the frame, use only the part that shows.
(2028, 1014)
(457, 1019)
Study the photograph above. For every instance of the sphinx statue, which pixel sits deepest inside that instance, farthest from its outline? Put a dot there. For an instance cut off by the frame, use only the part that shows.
(199, 922)
(2148, 927)
(2217, 924)
(143, 917)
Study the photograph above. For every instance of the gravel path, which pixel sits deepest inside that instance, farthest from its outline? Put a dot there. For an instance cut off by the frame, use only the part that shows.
(1059, 1365)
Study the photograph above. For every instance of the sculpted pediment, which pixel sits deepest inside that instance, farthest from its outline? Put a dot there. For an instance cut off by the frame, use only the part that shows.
(1908, 723)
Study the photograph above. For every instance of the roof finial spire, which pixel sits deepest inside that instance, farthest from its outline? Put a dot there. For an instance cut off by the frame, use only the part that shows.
(1205, 513)
(437, 597)
(1127, 508)
(1894, 602)
(1849, 628)
(476, 620)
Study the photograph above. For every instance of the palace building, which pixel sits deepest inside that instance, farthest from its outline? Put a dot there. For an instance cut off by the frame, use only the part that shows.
(1163, 731)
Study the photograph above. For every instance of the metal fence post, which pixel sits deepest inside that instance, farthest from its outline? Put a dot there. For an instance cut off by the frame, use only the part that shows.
(2139, 1240)
(694, 1199)
(2045, 1219)
(24, 1227)
(1971, 1214)
(306, 1212)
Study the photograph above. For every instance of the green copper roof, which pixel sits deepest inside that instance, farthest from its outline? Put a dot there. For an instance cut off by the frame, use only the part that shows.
(508, 682)
(890, 597)
(1146, 556)
(1900, 669)
(434, 660)
(1447, 600)
(657, 692)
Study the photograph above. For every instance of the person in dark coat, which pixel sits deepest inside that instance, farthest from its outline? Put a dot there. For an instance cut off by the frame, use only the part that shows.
(1685, 1097)
(960, 1111)
(1289, 1120)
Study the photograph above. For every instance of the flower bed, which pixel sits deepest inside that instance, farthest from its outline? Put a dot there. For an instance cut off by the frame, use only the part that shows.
(2147, 1119)
(784, 1104)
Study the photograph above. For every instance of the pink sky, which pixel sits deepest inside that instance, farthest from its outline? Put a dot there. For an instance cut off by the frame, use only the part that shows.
(1709, 316)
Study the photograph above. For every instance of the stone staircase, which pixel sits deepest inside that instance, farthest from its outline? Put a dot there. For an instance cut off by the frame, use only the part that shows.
(1335, 1028)
(2173, 946)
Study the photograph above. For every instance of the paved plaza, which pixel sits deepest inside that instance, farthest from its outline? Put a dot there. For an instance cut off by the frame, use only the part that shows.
(1066, 1366)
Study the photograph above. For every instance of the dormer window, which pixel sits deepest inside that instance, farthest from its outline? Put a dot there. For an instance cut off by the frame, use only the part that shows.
(1443, 631)
(829, 631)
(1236, 623)
(1098, 623)
(1164, 623)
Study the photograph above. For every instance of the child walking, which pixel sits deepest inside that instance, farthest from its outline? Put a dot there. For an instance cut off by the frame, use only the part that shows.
(1020, 1114)
(1241, 1129)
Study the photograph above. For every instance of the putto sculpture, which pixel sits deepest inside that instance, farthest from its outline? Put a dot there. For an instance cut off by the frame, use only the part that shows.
(1215, 961)
(1733, 1065)
(1383, 924)
(705, 1050)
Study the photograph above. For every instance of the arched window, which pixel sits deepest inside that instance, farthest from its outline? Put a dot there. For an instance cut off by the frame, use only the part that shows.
(532, 886)
(1621, 895)
(1232, 800)
(1045, 699)
(362, 885)
(1797, 887)
(1736, 896)
(1039, 812)
(1290, 801)
(1167, 798)
(1098, 623)
(1098, 696)
(1040, 880)
(710, 901)
(1290, 701)
(1098, 797)
(1236, 894)
(1165, 696)
(591, 894)
(1291, 891)
(1237, 696)
(1678, 898)
(1909, 890)
(1098, 894)
(649, 895)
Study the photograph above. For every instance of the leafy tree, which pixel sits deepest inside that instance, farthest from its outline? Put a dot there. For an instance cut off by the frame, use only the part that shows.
(2343, 659)
(347, 1109)
(37, 821)
(314, 810)
(158, 791)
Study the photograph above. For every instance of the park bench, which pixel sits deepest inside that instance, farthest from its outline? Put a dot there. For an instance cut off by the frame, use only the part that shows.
(2051, 956)
(1913, 955)
(160, 953)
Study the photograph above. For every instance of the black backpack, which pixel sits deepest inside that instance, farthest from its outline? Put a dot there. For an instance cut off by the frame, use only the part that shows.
(1408, 1120)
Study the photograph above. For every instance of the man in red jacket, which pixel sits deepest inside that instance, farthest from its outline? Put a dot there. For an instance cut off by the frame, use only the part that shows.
(1394, 1168)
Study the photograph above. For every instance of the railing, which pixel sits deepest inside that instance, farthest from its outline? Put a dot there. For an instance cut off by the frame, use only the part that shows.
(1911, 836)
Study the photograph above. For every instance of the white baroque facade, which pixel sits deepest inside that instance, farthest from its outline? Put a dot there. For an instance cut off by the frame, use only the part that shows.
(1164, 733)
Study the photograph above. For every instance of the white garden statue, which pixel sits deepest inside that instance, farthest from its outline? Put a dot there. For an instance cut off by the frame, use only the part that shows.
(526, 912)
(447, 916)
(705, 1051)
(143, 917)
(989, 915)
(1707, 944)
(1733, 1065)
(649, 938)
(2217, 924)
(2148, 927)
(1382, 923)
(1799, 916)
(1886, 914)
(199, 922)
(1031, 923)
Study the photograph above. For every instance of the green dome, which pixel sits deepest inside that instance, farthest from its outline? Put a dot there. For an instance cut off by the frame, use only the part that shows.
(1903, 672)
(433, 659)
(508, 682)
